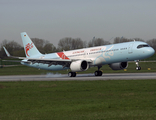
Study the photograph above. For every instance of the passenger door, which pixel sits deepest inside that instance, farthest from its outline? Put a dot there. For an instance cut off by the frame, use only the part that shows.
(130, 48)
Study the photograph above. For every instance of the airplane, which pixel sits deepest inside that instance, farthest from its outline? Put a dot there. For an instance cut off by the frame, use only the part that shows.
(116, 56)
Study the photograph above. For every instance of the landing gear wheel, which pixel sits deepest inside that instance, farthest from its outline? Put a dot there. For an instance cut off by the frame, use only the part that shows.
(138, 68)
(98, 73)
(72, 74)
(137, 63)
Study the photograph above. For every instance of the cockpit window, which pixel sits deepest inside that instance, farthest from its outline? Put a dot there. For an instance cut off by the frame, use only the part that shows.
(144, 45)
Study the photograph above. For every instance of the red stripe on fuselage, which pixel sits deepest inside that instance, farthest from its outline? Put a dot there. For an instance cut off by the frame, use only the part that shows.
(62, 55)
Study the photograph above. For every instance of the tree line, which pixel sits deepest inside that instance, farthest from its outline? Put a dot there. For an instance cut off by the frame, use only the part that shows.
(68, 43)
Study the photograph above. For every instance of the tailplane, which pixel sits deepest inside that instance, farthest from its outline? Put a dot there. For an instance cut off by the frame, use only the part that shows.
(29, 47)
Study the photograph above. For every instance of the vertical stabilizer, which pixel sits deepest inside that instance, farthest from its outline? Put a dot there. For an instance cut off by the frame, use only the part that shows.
(29, 47)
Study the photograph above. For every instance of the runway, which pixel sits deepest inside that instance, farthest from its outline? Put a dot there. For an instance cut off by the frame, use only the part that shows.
(81, 77)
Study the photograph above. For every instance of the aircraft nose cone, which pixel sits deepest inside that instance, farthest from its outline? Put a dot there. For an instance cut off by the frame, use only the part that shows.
(151, 51)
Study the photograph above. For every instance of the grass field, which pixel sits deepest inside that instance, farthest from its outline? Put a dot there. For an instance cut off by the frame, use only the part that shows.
(78, 100)
(24, 70)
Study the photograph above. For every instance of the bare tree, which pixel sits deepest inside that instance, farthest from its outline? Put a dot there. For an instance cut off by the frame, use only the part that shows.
(13, 47)
(152, 43)
(49, 48)
(97, 42)
(65, 44)
(123, 39)
(70, 44)
(138, 39)
(85, 44)
(44, 46)
(39, 43)
(77, 43)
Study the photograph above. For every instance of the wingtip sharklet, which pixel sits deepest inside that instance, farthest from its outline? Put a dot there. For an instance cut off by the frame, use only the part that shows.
(7, 53)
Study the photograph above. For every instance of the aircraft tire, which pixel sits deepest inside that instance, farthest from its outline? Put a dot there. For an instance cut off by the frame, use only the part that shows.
(138, 68)
(72, 74)
(98, 73)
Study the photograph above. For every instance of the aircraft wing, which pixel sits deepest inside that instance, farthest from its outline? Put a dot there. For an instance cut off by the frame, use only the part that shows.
(63, 62)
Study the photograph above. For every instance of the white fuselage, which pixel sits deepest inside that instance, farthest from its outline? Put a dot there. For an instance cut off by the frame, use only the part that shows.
(101, 55)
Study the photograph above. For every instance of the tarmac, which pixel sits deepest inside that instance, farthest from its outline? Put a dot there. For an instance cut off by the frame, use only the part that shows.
(80, 77)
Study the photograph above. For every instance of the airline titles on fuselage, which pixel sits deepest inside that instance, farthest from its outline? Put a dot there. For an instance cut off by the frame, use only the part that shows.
(93, 51)
(78, 52)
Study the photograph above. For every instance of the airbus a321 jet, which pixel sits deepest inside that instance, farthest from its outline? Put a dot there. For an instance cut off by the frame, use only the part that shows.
(115, 55)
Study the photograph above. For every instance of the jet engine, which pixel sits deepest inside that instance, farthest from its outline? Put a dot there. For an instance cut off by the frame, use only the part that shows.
(80, 65)
(118, 66)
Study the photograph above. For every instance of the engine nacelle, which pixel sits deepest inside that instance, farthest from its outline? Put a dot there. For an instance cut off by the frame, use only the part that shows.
(118, 66)
(80, 65)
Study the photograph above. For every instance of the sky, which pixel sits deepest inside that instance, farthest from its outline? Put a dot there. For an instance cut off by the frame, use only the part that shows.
(53, 20)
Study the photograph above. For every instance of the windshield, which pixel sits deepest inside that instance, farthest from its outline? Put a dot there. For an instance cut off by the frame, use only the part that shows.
(143, 45)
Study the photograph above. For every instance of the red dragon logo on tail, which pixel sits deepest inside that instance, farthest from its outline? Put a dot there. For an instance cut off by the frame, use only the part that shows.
(28, 47)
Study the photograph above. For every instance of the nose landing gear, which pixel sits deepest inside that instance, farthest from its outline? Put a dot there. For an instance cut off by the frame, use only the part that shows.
(137, 64)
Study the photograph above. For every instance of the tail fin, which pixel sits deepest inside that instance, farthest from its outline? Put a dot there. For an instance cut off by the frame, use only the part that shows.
(29, 47)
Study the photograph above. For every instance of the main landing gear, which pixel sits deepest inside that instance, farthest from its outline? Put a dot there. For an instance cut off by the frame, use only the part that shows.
(98, 72)
(72, 74)
(137, 63)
